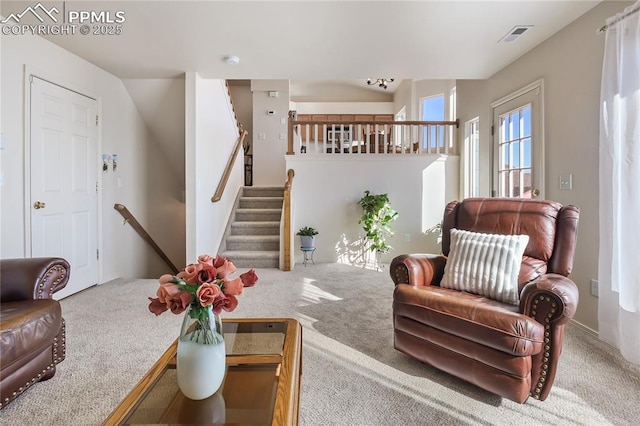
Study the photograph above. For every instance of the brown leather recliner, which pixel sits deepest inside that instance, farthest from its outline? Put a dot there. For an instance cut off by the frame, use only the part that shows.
(32, 330)
(506, 349)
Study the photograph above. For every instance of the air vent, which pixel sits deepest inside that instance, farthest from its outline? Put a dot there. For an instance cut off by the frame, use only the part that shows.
(514, 33)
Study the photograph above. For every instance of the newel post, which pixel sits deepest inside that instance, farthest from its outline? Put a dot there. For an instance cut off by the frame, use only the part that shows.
(293, 115)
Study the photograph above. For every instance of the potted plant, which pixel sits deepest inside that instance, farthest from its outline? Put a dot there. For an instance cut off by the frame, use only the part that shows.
(307, 235)
(376, 219)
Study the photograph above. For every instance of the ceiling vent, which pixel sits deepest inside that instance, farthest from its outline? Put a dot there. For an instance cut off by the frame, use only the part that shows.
(514, 33)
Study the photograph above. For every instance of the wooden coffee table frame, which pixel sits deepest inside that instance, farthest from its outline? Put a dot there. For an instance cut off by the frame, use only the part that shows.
(287, 402)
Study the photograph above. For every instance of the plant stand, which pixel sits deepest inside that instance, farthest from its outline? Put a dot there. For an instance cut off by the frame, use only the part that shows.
(308, 254)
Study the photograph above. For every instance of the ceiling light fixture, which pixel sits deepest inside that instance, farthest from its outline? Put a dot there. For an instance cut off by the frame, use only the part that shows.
(232, 59)
(380, 82)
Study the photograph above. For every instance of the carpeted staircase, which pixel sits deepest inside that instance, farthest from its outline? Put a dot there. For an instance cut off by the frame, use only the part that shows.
(254, 236)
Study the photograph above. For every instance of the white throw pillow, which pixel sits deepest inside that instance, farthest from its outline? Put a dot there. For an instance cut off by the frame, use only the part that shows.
(485, 264)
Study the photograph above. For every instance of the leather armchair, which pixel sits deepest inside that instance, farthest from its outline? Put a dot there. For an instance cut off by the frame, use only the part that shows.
(32, 330)
(508, 350)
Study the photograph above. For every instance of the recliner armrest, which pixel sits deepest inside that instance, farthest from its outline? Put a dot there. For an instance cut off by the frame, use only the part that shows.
(552, 296)
(32, 278)
(417, 269)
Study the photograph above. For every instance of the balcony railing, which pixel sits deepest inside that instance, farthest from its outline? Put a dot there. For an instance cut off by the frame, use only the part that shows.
(372, 137)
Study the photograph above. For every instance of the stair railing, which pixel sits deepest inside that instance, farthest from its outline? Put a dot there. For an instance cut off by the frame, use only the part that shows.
(227, 171)
(286, 213)
(131, 220)
(233, 107)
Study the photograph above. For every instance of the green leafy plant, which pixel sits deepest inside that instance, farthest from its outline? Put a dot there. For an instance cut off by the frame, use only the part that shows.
(307, 231)
(376, 219)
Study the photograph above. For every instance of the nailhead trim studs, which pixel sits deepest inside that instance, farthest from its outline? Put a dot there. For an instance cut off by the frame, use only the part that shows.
(547, 339)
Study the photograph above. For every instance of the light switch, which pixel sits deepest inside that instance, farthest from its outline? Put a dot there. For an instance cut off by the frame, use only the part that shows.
(566, 181)
(283, 120)
(262, 136)
(282, 136)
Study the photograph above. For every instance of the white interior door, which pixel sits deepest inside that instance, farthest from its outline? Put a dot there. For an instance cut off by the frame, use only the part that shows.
(64, 137)
(518, 159)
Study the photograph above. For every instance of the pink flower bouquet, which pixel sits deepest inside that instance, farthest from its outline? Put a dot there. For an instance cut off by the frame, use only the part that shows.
(205, 283)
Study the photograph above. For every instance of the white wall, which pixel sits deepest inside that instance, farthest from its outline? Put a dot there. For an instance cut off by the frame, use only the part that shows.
(570, 63)
(211, 134)
(268, 154)
(146, 190)
(161, 105)
(326, 191)
(345, 107)
(403, 97)
(243, 103)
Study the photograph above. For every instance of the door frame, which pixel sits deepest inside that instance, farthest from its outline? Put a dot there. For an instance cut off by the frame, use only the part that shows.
(29, 72)
(536, 85)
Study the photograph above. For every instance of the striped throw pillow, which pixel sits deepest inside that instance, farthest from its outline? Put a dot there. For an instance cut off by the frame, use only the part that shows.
(485, 264)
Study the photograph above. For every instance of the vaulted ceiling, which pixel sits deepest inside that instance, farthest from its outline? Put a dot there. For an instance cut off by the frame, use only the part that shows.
(314, 40)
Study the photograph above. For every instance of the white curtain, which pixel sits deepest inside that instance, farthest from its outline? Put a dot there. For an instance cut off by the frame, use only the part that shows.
(619, 257)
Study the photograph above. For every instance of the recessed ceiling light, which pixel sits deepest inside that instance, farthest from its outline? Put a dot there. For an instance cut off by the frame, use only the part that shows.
(230, 59)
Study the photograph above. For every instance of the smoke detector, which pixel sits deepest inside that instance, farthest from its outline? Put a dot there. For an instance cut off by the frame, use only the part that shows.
(232, 60)
(514, 33)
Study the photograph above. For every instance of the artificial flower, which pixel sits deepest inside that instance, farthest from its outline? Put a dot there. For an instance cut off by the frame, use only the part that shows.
(232, 287)
(206, 283)
(207, 293)
(249, 278)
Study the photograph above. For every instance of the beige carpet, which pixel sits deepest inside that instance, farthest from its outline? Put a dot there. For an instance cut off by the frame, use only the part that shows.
(351, 373)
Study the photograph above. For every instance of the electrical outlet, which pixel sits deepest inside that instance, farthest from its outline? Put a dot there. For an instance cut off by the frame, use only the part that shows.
(594, 288)
(407, 238)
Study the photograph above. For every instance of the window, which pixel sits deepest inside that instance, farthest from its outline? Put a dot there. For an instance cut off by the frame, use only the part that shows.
(399, 131)
(432, 109)
(452, 113)
(472, 160)
(514, 153)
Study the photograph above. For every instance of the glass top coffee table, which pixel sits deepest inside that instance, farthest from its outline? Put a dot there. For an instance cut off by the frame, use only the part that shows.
(261, 386)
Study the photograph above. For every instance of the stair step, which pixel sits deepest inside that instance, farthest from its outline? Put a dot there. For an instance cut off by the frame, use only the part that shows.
(253, 242)
(254, 259)
(255, 228)
(263, 191)
(261, 202)
(258, 215)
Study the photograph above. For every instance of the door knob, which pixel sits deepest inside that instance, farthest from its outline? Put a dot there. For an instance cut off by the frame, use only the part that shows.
(39, 205)
(535, 192)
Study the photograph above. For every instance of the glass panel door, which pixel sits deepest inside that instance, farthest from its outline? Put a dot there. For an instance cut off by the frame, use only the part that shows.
(518, 160)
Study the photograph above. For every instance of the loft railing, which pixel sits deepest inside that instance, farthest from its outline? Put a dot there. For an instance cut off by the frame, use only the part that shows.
(131, 220)
(227, 171)
(372, 137)
(286, 213)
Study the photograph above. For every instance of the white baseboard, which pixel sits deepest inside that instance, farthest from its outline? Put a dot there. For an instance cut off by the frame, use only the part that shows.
(589, 330)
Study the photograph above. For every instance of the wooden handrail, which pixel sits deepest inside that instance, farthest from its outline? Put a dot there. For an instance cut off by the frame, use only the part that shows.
(380, 123)
(129, 218)
(287, 219)
(227, 171)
